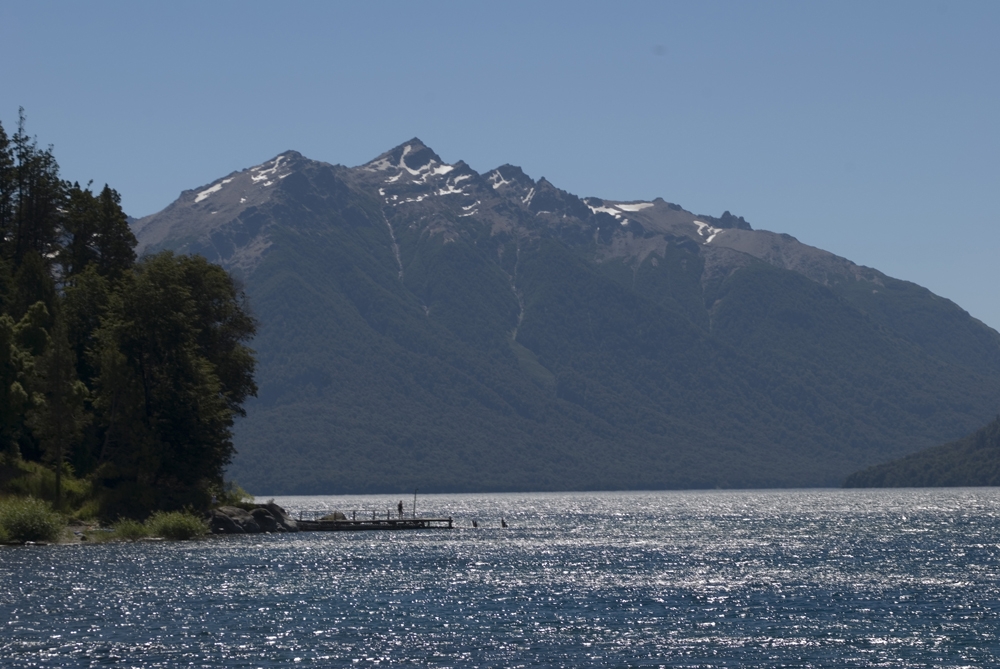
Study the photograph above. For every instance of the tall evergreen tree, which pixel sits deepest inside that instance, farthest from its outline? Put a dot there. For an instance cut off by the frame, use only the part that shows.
(32, 283)
(8, 185)
(95, 231)
(115, 242)
(84, 299)
(38, 194)
(13, 396)
(79, 229)
(58, 415)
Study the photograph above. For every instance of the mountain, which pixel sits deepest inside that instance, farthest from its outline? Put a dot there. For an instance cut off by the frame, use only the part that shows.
(424, 325)
(973, 460)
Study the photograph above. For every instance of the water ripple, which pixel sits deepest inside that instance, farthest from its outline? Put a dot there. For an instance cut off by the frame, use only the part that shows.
(704, 579)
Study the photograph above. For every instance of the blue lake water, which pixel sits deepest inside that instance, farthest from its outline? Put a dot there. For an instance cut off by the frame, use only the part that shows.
(809, 578)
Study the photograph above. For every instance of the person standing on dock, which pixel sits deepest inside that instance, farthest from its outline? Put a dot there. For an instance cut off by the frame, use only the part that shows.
(399, 507)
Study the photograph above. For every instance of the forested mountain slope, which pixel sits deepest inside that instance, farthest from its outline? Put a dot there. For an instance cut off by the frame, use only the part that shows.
(424, 325)
(973, 460)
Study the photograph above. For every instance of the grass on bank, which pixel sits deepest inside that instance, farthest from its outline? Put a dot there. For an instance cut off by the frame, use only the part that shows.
(25, 519)
(28, 519)
(175, 525)
(127, 529)
(27, 493)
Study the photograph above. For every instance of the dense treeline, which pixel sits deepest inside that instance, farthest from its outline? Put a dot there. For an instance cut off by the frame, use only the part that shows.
(973, 460)
(127, 372)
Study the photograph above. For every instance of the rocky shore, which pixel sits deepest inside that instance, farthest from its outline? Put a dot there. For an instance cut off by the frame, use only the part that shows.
(259, 518)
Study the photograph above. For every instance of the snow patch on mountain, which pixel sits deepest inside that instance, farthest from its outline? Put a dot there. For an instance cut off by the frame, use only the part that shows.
(497, 179)
(214, 189)
(616, 210)
(605, 210)
(635, 206)
(704, 229)
(379, 165)
(419, 198)
(451, 186)
(268, 174)
(613, 210)
(432, 169)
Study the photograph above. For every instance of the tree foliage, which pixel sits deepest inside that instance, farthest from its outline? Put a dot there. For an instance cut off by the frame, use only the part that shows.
(58, 414)
(129, 371)
(173, 372)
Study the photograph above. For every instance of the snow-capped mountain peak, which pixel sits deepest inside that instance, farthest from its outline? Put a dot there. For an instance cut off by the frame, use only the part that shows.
(413, 159)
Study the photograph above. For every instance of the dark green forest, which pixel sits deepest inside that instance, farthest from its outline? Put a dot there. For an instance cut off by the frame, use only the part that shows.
(121, 376)
(973, 460)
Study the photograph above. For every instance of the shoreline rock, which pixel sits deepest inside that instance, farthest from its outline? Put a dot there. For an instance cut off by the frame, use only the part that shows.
(260, 518)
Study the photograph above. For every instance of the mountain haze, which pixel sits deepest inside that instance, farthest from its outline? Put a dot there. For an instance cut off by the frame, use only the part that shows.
(424, 325)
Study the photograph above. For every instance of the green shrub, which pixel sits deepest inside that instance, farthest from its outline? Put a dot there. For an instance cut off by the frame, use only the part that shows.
(176, 525)
(29, 519)
(127, 529)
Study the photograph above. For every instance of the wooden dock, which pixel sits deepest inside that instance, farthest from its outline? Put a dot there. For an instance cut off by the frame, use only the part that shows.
(374, 524)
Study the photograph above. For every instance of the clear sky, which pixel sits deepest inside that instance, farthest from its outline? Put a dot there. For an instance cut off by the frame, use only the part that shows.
(870, 129)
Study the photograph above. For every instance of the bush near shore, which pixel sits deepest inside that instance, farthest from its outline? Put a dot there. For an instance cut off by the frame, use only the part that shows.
(24, 519)
(28, 519)
(28, 513)
(175, 525)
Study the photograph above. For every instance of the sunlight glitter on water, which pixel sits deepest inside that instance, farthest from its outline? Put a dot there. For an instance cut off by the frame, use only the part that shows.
(708, 579)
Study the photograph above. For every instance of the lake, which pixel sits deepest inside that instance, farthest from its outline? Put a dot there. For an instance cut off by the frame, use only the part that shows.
(803, 578)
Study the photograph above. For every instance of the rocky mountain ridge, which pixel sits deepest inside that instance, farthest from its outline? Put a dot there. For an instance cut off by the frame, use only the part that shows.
(217, 220)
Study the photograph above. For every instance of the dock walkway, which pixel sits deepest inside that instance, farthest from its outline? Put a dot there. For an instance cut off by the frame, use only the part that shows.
(404, 523)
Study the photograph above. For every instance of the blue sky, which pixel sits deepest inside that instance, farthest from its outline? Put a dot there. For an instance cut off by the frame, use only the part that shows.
(870, 129)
